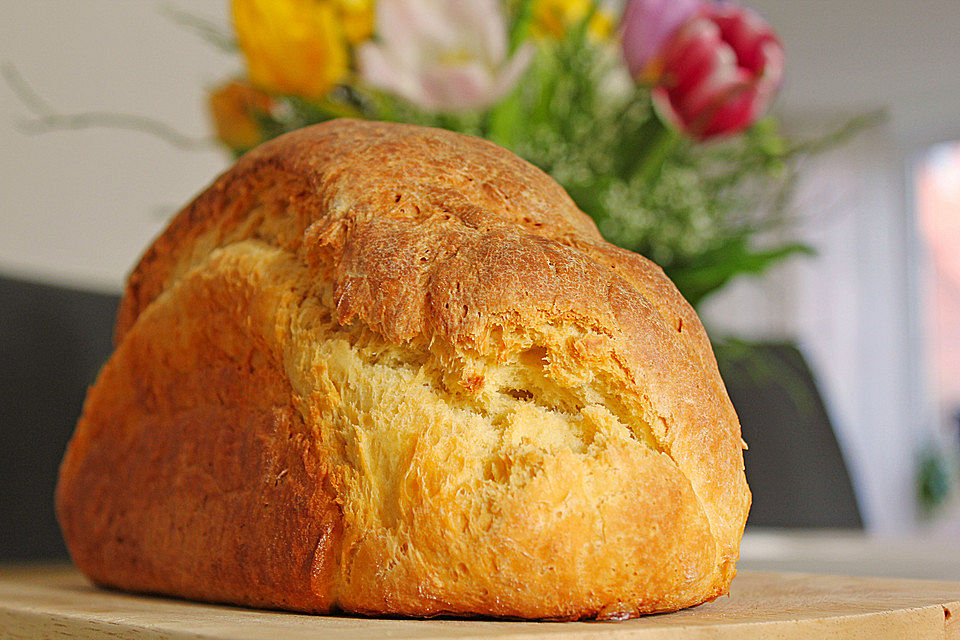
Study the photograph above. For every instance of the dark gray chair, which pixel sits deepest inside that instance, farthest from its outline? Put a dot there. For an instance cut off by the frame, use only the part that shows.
(52, 343)
(794, 465)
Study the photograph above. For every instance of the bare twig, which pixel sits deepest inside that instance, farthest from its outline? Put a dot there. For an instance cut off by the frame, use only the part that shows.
(844, 132)
(131, 122)
(206, 29)
(46, 118)
(23, 91)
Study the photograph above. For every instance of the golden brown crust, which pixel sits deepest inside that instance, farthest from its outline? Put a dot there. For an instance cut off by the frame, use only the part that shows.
(191, 473)
(490, 410)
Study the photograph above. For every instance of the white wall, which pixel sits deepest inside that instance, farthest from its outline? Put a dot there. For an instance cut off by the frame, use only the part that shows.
(857, 54)
(849, 309)
(79, 206)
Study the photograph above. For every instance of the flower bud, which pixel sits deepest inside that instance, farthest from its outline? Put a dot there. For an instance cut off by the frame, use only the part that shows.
(236, 109)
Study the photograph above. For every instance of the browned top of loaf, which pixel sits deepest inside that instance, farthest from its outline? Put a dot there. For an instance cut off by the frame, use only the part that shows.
(431, 234)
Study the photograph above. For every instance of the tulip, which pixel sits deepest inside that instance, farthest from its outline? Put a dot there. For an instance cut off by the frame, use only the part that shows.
(444, 55)
(356, 19)
(293, 47)
(554, 18)
(647, 25)
(713, 67)
(237, 110)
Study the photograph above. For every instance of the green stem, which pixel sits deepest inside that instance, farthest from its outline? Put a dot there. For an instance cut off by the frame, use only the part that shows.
(656, 152)
(645, 152)
(576, 36)
(504, 120)
(339, 109)
(521, 24)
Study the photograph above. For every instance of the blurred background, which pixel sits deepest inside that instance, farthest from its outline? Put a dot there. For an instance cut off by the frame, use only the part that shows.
(848, 386)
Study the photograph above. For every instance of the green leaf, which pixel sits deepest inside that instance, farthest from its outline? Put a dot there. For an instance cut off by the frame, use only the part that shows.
(712, 269)
(520, 29)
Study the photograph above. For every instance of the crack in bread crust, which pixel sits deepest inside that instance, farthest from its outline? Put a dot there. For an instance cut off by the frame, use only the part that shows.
(515, 418)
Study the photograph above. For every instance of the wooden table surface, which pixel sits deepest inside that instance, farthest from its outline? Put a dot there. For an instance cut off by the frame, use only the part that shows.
(56, 602)
(853, 553)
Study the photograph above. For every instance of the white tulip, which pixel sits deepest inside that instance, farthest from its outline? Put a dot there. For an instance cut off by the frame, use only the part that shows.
(445, 55)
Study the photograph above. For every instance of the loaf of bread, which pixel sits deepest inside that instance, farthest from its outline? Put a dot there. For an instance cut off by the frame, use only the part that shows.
(386, 369)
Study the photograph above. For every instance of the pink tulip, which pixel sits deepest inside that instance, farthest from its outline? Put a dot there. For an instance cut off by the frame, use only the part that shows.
(714, 68)
(647, 24)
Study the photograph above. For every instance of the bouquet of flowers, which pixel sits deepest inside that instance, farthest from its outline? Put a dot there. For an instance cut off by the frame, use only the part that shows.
(652, 121)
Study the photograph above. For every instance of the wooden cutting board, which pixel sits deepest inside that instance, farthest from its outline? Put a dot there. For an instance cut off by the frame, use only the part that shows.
(56, 602)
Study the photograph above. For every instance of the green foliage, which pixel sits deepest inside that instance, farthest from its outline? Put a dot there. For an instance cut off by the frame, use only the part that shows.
(699, 210)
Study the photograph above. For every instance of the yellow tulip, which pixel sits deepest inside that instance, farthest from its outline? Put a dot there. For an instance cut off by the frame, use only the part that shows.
(356, 16)
(236, 108)
(553, 18)
(299, 47)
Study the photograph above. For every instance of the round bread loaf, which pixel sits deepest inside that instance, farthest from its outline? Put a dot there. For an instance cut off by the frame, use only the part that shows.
(386, 369)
